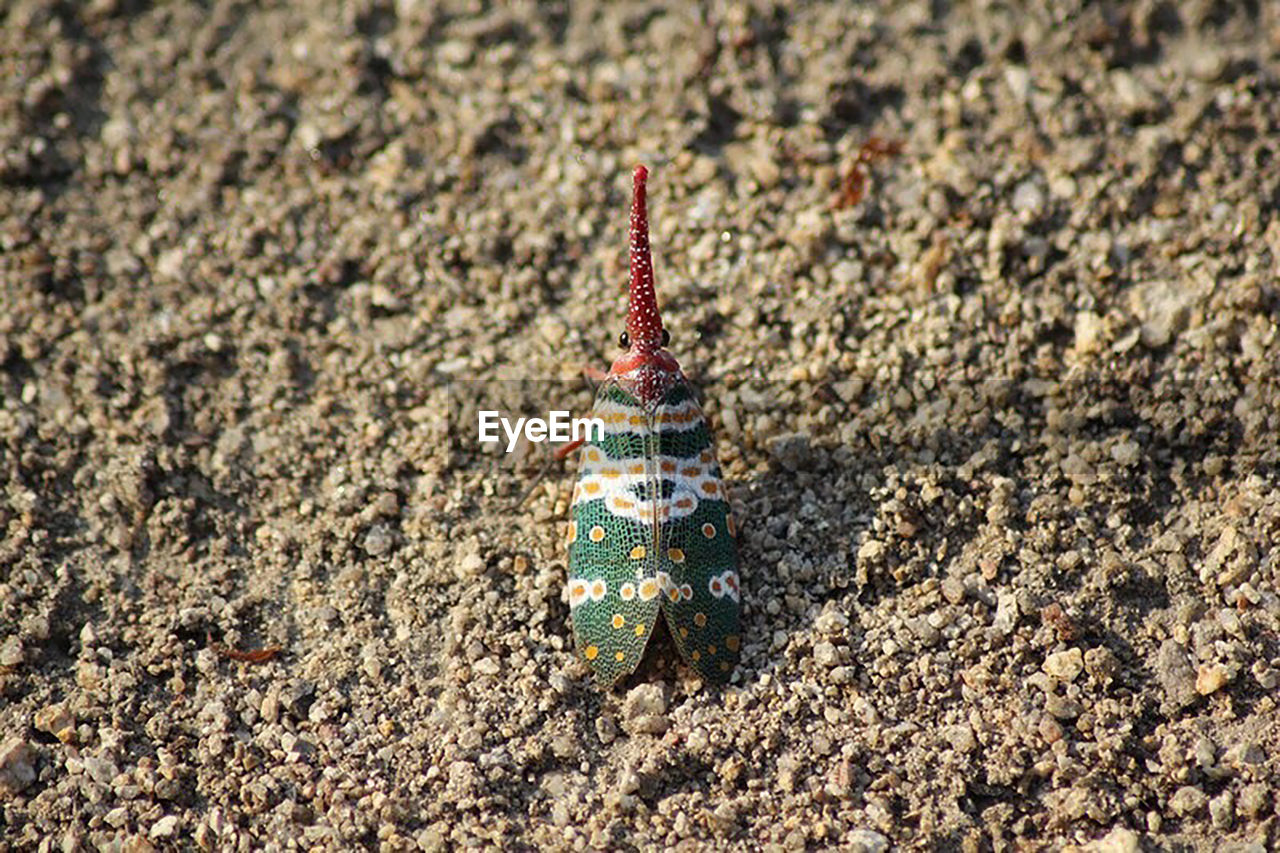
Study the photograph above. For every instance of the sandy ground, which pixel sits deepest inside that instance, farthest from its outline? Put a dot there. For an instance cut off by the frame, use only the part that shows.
(1001, 433)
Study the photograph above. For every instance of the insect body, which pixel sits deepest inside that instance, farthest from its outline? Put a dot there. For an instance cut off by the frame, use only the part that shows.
(650, 531)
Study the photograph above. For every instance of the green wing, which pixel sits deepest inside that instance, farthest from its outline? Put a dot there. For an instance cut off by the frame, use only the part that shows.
(613, 590)
(697, 554)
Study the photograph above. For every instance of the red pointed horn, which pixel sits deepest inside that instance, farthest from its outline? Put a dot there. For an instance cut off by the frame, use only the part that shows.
(644, 326)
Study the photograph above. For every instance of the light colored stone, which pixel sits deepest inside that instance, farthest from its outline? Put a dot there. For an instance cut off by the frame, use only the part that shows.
(11, 652)
(100, 770)
(1028, 200)
(1065, 666)
(645, 699)
(1090, 332)
(16, 770)
(871, 551)
(866, 841)
(644, 710)
(164, 827)
(1210, 678)
(57, 721)
(1118, 840)
(1126, 453)
(1188, 800)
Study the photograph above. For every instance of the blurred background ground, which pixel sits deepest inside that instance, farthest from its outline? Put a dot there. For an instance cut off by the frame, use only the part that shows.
(999, 419)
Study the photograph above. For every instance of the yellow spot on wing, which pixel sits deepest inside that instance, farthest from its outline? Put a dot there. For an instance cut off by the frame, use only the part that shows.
(700, 619)
(618, 620)
(591, 652)
(640, 630)
(620, 657)
(676, 555)
(597, 533)
(638, 552)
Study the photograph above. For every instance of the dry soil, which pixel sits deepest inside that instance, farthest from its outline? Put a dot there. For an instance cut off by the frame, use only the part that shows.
(998, 413)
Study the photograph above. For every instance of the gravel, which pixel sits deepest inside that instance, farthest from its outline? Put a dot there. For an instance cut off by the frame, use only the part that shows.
(1000, 432)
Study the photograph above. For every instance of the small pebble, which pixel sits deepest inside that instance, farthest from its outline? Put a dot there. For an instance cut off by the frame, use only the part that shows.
(378, 540)
(100, 770)
(866, 841)
(1126, 453)
(826, 655)
(16, 765)
(1188, 800)
(1006, 617)
(644, 710)
(1175, 674)
(1210, 678)
(1028, 200)
(164, 827)
(1119, 840)
(57, 721)
(1065, 666)
(871, 551)
(11, 652)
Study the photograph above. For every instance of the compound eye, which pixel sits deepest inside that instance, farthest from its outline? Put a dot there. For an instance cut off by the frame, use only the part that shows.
(624, 340)
(666, 337)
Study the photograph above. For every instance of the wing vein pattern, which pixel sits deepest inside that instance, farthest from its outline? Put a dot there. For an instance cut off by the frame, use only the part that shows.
(651, 532)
